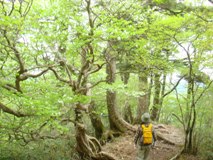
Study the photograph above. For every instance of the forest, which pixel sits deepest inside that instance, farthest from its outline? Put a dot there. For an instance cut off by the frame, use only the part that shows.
(77, 75)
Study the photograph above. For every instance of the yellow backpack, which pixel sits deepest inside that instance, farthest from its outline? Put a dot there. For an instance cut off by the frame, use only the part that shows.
(147, 133)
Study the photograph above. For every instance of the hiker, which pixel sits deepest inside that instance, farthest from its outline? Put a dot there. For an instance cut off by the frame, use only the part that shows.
(145, 138)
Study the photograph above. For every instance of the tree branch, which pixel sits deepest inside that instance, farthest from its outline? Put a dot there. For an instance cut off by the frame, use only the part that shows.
(178, 118)
(28, 75)
(181, 110)
(59, 78)
(203, 92)
(10, 87)
(29, 5)
(16, 52)
(12, 9)
(173, 87)
(12, 112)
(97, 69)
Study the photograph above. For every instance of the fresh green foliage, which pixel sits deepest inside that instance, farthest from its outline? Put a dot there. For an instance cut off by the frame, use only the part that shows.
(42, 51)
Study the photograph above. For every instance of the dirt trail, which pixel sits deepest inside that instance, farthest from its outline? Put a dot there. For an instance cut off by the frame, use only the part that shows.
(170, 142)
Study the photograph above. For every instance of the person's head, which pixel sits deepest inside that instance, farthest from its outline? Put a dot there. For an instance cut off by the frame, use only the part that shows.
(145, 118)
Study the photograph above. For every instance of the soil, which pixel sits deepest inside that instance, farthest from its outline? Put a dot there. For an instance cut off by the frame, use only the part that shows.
(189, 157)
(170, 142)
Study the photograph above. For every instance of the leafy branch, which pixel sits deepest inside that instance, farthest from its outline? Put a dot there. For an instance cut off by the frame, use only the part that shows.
(8, 110)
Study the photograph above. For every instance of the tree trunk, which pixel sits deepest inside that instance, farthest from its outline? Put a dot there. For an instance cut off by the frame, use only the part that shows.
(115, 121)
(88, 147)
(191, 116)
(96, 121)
(128, 112)
(156, 100)
(124, 76)
(150, 89)
(143, 99)
(95, 118)
(191, 111)
(161, 96)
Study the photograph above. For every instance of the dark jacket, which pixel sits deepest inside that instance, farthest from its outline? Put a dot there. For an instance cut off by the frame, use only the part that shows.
(139, 135)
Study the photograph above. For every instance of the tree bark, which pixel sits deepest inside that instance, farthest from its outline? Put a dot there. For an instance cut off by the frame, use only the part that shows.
(190, 115)
(115, 121)
(96, 121)
(161, 96)
(127, 112)
(156, 100)
(8, 110)
(89, 147)
(143, 103)
(128, 117)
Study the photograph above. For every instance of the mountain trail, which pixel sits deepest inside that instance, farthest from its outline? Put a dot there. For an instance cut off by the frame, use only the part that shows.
(170, 143)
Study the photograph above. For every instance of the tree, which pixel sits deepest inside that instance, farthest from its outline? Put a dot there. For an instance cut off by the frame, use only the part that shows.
(55, 55)
(195, 58)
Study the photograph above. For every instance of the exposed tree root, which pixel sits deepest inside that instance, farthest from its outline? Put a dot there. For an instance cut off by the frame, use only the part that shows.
(104, 156)
(94, 144)
(109, 136)
(161, 136)
(89, 147)
(177, 155)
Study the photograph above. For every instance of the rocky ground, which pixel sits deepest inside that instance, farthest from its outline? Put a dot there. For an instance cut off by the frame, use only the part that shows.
(170, 142)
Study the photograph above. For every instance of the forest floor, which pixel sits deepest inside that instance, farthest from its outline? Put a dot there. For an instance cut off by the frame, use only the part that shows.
(170, 143)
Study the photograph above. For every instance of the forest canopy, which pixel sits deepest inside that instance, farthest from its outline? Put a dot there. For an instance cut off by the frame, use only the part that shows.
(77, 73)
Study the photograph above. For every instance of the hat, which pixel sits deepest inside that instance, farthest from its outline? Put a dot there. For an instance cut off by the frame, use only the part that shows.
(145, 118)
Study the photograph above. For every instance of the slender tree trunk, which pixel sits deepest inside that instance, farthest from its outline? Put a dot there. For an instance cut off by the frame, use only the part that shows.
(143, 104)
(125, 77)
(191, 111)
(128, 117)
(150, 89)
(156, 100)
(127, 112)
(191, 116)
(161, 96)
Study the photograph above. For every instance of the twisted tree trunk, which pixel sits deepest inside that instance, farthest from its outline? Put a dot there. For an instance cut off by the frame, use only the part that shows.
(89, 147)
